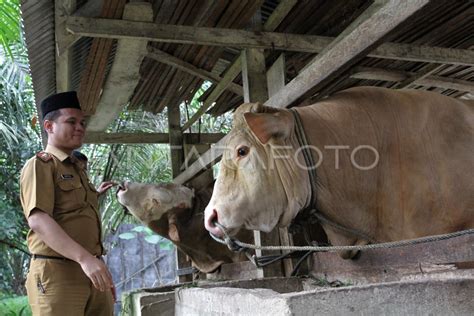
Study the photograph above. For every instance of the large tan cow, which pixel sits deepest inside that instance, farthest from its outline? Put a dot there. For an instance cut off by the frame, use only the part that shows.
(390, 164)
(176, 212)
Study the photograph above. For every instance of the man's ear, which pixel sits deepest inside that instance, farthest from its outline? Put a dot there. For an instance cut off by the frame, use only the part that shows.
(267, 125)
(48, 126)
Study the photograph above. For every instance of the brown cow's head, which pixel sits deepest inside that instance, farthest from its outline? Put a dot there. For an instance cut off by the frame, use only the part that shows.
(176, 213)
(260, 183)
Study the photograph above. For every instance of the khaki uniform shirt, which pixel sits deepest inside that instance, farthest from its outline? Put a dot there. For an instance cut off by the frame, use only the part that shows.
(60, 187)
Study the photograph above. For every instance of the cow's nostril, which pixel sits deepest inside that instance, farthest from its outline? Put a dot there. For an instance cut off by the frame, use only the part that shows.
(213, 218)
(210, 225)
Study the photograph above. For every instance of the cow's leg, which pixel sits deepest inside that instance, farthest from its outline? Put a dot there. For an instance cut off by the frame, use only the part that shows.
(336, 238)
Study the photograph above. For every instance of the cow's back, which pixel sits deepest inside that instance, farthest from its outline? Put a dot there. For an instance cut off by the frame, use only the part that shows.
(422, 183)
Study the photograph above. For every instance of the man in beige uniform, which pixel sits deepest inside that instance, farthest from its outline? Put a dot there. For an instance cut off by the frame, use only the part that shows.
(67, 275)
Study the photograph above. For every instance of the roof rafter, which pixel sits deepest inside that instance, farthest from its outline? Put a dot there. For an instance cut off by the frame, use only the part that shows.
(149, 138)
(112, 28)
(165, 58)
(370, 73)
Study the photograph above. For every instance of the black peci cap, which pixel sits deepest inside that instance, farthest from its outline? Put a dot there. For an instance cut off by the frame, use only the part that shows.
(58, 101)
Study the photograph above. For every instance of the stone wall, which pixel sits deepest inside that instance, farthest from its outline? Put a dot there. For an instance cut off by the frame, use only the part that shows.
(135, 263)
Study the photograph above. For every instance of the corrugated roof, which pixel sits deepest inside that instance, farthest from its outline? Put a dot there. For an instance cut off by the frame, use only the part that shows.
(441, 23)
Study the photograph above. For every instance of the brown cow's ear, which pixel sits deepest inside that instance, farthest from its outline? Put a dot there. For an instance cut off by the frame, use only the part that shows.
(267, 125)
(173, 233)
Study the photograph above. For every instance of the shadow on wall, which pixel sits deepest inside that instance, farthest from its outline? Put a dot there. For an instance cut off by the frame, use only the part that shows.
(137, 258)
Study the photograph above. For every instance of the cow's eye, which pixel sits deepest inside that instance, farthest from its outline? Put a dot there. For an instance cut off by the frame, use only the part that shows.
(242, 151)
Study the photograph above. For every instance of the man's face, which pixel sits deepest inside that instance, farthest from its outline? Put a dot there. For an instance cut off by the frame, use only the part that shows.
(67, 131)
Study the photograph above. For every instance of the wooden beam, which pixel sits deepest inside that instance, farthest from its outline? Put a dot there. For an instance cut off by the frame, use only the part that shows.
(91, 8)
(124, 73)
(385, 265)
(175, 139)
(279, 14)
(165, 58)
(149, 138)
(368, 73)
(421, 74)
(254, 75)
(205, 161)
(233, 70)
(63, 8)
(229, 76)
(348, 48)
(112, 28)
(276, 76)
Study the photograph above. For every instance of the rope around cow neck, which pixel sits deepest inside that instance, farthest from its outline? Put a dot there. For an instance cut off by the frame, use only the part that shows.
(236, 245)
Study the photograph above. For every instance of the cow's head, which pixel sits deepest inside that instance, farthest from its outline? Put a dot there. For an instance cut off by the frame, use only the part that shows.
(148, 202)
(260, 182)
(176, 213)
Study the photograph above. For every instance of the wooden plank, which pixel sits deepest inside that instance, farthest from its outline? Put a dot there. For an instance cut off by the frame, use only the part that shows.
(149, 138)
(254, 76)
(63, 41)
(279, 14)
(175, 140)
(421, 74)
(348, 48)
(369, 73)
(113, 28)
(388, 264)
(205, 161)
(275, 81)
(235, 271)
(177, 160)
(256, 90)
(173, 61)
(276, 76)
(229, 76)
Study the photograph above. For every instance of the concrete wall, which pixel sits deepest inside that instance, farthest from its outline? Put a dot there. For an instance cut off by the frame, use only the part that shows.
(442, 296)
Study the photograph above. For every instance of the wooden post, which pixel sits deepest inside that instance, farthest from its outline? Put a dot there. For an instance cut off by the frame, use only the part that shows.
(177, 159)
(255, 90)
(63, 58)
(276, 77)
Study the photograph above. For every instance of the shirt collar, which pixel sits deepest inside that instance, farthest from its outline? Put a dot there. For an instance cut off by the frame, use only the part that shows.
(58, 153)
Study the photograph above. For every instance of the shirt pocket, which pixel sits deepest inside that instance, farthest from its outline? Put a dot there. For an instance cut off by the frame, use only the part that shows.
(70, 195)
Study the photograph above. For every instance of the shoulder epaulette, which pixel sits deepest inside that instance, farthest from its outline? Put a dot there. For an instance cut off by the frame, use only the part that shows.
(44, 156)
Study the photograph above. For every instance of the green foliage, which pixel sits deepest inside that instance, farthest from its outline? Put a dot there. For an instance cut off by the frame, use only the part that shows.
(149, 236)
(207, 123)
(14, 306)
(9, 24)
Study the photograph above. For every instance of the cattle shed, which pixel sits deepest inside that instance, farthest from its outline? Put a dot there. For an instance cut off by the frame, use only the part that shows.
(156, 54)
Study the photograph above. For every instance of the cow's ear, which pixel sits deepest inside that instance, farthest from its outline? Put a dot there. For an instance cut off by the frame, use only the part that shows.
(173, 233)
(267, 125)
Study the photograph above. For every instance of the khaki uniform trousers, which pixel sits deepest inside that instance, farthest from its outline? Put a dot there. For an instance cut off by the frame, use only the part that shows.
(60, 287)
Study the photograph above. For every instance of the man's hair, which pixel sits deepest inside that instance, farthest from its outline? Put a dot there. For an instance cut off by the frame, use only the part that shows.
(51, 116)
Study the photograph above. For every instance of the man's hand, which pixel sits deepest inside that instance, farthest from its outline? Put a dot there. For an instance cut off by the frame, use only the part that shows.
(104, 186)
(97, 272)
(56, 238)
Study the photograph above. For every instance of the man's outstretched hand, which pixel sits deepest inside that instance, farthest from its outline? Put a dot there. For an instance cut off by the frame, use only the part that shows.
(105, 186)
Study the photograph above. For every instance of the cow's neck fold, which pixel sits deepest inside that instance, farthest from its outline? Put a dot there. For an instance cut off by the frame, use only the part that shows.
(295, 181)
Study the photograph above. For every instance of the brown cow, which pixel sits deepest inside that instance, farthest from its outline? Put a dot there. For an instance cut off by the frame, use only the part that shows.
(176, 212)
(391, 164)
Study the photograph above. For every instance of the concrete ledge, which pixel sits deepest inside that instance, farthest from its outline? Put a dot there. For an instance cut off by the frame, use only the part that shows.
(446, 296)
